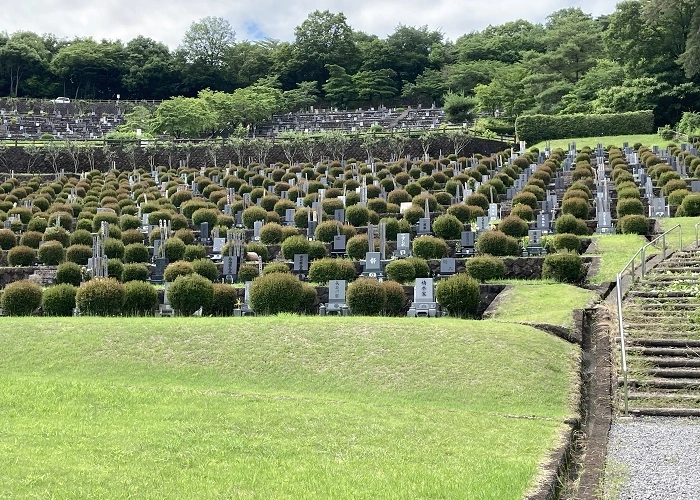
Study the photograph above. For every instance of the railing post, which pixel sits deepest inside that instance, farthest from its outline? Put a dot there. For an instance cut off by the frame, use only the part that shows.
(622, 342)
(644, 261)
(663, 244)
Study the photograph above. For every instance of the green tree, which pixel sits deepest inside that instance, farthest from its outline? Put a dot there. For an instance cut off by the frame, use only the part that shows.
(150, 72)
(459, 108)
(184, 117)
(375, 85)
(409, 51)
(430, 85)
(339, 87)
(91, 69)
(21, 56)
(208, 40)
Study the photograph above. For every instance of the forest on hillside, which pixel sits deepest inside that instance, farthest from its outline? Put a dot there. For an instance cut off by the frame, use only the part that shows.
(644, 55)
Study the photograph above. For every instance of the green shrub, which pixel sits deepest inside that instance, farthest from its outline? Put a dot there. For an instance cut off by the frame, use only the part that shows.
(81, 237)
(174, 249)
(136, 253)
(564, 267)
(629, 206)
(577, 207)
(569, 224)
(485, 268)
(194, 252)
(111, 218)
(21, 298)
(630, 192)
(134, 272)
(497, 244)
(317, 250)
(448, 227)
(420, 266)
(252, 214)
(57, 234)
(357, 215)
(59, 300)
(673, 185)
(566, 241)
(209, 215)
(69, 273)
(21, 255)
(271, 234)
(114, 248)
(395, 304)
(513, 226)
(186, 235)
(413, 214)
(401, 271)
(309, 299)
(525, 198)
(205, 267)
(132, 236)
(691, 205)
(278, 267)
(276, 293)
(115, 268)
(357, 247)
(323, 270)
(257, 248)
(224, 300)
(675, 198)
(51, 253)
(100, 297)
(634, 224)
(127, 222)
(523, 212)
(459, 294)
(31, 239)
(79, 254)
(8, 239)
(248, 272)
(366, 297)
(429, 247)
(140, 298)
(295, 245)
(38, 224)
(176, 269)
(188, 293)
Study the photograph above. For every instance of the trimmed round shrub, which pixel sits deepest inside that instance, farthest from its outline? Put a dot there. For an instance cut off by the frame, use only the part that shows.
(677, 196)
(100, 297)
(57, 234)
(395, 299)
(140, 298)
(59, 300)
(366, 297)
(485, 268)
(429, 247)
(448, 227)
(136, 253)
(691, 205)
(672, 186)
(524, 198)
(497, 244)
(513, 226)
(357, 215)
(38, 224)
(78, 254)
(276, 293)
(309, 299)
(8, 239)
(633, 224)
(271, 234)
(31, 239)
(277, 267)
(523, 212)
(569, 224)
(174, 249)
(209, 215)
(132, 236)
(21, 255)
(21, 298)
(629, 192)
(565, 267)
(629, 206)
(134, 272)
(188, 293)
(255, 247)
(205, 267)
(327, 230)
(127, 222)
(295, 245)
(194, 252)
(401, 271)
(51, 253)
(176, 269)
(575, 206)
(69, 273)
(252, 214)
(479, 200)
(114, 248)
(420, 266)
(224, 300)
(323, 270)
(459, 294)
(109, 217)
(81, 237)
(186, 235)
(566, 241)
(413, 213)
(317, 250)
(248, 272)
(115, 268)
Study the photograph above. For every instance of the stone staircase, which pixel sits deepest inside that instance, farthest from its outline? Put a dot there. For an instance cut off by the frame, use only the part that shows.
(661, 316)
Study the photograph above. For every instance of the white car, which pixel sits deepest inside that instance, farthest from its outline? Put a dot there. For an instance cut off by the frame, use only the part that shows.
(62, 100)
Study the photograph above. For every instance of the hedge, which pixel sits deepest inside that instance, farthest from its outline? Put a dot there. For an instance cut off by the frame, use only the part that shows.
(537, 128)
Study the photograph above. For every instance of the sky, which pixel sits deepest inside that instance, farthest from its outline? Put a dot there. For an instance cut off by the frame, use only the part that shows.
(167, 20)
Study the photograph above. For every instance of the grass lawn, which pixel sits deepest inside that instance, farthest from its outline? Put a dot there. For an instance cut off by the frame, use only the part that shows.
(278, 407)
(687, 229)
(542, 302)
(615, 140)
(615, 251)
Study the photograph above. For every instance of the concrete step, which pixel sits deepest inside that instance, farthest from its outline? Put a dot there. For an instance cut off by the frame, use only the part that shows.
(665, 361)
(685, 384)
(665, 412)
(661, 295)
(665, 396)
(671, 373)
(673, 352)
(657, 342)
(651, 305)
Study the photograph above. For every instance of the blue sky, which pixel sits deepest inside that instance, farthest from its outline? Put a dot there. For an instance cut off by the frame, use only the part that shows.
(166, 21)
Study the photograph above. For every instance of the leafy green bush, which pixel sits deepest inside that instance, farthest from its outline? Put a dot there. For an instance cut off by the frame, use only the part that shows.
(69, 273)
(194, 252)
(357, 247)
(57, 234)
(174, 249)
(577, 207)
(497, 244)
(21, 298)
(567, 223)
(395, 304)
(357, 215)
(209, 215)
(526, 198)
(448, 227)
(366, 297)
(8, 239)
(691, 205)
(401, 271)
(485, 268)
(51, 253)
(31, 239)
(276, 293)
(459, 294)
(323, 270)
(140, 298)
(115, 268)
(629, 206)
(248, 272)
(566, 241)
(634, 224)
(420, 266)
(523, 212)
(224, 300)
(277, 267)
(252, 214)
(205, 267)
(134, 272)
(271, 234)
(38, 224)
(513, 226)
(59, 300)
(429, 247)
(188, 293)
(79, 254)
(676, 197)
(114, 248)
(132, 236)
(100, 297)
(21, 255)
(564, 267)
(176, 269)
(136, 253)
(309, 298)
(258, 248)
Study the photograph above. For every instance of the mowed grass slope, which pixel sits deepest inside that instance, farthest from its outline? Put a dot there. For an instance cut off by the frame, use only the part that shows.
(280, 407)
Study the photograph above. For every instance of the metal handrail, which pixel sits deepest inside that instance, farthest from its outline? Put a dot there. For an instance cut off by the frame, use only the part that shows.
(697, 242)
(630, 264)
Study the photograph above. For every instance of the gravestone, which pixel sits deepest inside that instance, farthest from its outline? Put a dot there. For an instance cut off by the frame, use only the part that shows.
(336, 299)
(658, 207)
(244, 309)
(257, 226)
(301, 265)
(447, 267)
(423, 227)
(372, 266)
(204, 233)
(534, 243)
(493, 211)
(165, 309)
(466, 244)
(339, 214)
(339, 242)
(403, 245)
(424, 304)
(604, 225)
(482, 223)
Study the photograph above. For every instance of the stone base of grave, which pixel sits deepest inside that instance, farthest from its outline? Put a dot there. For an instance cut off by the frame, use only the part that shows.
(164, 310)
(424, 310)
(328, 309)
(243, 311)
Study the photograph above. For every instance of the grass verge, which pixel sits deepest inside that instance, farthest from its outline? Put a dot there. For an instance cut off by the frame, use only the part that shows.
(606, 140)
(282, 407)
(615, 251)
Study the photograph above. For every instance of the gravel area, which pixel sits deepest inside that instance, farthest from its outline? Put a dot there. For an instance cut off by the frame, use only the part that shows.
(654, 458)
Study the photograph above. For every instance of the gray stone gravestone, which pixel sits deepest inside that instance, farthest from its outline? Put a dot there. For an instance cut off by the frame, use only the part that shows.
(204, 233)
(257, 226)
(493, 211)
(339, 242)
(424, 304)
(403, 245)
(447, 267)
(372, 266)
(336, 299)
(301, 265)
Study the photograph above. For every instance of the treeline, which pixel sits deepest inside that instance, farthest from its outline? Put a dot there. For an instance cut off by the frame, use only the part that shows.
(644, 55)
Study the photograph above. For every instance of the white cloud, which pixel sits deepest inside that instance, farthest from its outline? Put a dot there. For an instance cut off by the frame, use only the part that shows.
(167, 21)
